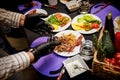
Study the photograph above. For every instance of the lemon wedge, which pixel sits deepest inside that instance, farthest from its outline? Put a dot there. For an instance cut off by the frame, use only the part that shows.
(77, 27)
(55, 26)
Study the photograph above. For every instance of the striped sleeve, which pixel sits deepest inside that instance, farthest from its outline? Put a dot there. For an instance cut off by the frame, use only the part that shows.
(9, 18)
(13, 63)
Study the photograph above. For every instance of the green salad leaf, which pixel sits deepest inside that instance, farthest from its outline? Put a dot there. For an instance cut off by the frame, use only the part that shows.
(53, 20)
(89, 19)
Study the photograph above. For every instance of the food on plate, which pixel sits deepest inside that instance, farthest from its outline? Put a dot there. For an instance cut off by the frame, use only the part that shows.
(68, 42)
(58, 20)
(86, 22)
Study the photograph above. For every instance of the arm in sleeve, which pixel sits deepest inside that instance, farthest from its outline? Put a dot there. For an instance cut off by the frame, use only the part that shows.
(13, 63)
(9, 18)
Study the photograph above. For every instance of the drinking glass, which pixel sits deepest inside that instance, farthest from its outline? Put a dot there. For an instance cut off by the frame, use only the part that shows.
(84, 6)
(87, 50)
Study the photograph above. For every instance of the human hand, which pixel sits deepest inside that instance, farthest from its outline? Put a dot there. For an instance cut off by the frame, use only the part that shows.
(34, 23)
(43, 49)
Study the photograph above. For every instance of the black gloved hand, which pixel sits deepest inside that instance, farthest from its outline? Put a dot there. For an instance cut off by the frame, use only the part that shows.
(43, 49)
(34, 23)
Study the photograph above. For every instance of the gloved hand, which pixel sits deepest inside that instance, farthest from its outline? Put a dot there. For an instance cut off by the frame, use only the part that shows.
(43, 49)
(34, 23)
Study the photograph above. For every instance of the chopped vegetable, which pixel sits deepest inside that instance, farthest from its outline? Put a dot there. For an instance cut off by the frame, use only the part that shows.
(53, 20)
(95, 25)
(58, 20)
(87, 22)
(59, 16)
(88, 18)
(55, 26)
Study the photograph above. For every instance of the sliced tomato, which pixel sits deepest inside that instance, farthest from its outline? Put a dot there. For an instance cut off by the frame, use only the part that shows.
(59, 16)
(94, 25)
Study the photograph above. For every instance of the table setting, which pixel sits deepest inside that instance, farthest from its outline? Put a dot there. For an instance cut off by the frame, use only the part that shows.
(73, 29)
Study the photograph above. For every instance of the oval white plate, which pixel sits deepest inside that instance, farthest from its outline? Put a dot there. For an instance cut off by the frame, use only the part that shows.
(76, 50)
(38, 11)
(63, 27)
(83, 31)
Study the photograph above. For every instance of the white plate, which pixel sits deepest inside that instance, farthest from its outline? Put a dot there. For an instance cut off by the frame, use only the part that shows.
(38, 11)
(116, 25)
(65, 1)
(63, 27)
(84, 31)
(76, 50)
